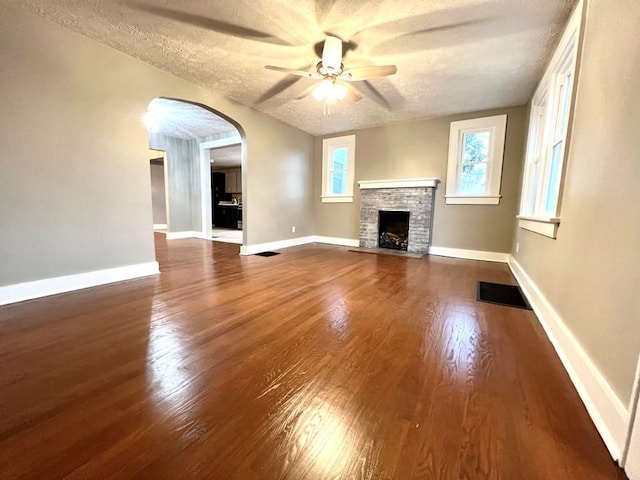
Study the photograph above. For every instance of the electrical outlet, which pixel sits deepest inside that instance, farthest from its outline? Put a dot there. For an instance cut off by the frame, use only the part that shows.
(517, 247)
(293, 229)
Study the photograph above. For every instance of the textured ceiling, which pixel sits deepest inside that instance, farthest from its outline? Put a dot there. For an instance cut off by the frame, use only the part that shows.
(225, 157)
(184, 120)
(452, 55)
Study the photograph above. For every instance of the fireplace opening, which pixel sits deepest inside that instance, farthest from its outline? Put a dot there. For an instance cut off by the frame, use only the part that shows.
(393, 230)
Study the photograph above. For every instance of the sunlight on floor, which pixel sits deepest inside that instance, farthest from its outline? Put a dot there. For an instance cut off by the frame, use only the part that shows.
(226, 235)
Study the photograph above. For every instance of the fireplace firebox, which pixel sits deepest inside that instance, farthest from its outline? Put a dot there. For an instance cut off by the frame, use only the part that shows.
(393, 229)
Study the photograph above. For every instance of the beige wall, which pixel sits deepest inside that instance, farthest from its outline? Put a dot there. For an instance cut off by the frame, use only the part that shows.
(419, 149)
(76, 193)
(182, 164)
(591, 272)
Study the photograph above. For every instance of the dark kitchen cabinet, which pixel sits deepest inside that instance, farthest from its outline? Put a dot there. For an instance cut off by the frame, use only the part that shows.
(218, 193)
(228, 217)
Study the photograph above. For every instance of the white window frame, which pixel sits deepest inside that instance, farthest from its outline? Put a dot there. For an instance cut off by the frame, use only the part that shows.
(328, 146)
(545, 132)
(496, 126)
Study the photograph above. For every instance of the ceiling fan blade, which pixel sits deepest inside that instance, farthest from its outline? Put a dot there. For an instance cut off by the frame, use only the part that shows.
(332, 53)
(365, 73)
(323, 8)
(445, 36)
(352, 94)
(278, 88)
(210, 24)
(376, 96)
(307, 91)
(293, 71)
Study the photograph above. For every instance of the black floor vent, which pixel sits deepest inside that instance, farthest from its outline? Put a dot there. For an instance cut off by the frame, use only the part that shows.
(508, 295)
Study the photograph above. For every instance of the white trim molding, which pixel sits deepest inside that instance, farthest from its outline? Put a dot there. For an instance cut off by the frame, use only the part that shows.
(337, 198)
(20, 292)
(544, 226)
(630, 457)
(160, 226)
(345, 242)
(399, 183)
(550, 126)
(469, 254)
(265, 247)
(329, 146)
(181, 235)
(205, 177)
(607, 412)
(495, 127)
(470, 200)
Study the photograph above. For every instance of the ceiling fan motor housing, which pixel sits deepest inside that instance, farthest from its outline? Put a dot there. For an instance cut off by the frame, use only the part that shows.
(329, 70)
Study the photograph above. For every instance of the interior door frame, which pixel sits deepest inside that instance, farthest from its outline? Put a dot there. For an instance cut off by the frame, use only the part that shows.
(205, 178)
(165, 169)
(165, 185)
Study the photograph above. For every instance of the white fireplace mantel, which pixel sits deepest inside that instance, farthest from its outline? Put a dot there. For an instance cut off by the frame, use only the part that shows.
(399, 183)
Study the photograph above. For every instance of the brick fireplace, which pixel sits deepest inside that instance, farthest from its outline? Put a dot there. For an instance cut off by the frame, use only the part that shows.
(413, 196)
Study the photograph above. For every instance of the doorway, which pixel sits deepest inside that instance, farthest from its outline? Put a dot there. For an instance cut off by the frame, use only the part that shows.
(158, 191)
(224, 209)
(196, 140)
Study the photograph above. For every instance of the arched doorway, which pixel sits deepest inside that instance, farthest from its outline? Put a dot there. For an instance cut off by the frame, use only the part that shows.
(200, 145)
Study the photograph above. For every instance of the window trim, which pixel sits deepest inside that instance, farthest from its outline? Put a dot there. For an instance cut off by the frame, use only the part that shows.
(328, 145)
(496, 125)
(542, 135)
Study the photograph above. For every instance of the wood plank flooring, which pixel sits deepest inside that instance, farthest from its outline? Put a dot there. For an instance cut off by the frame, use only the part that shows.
(318, 363)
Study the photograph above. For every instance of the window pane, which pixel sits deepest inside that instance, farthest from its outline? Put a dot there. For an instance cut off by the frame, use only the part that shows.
(337, 182)
(473, 168)
(475, 147)
(565, 103)
(533, 189)
(473, 178)
(339, 158)
(554, 179)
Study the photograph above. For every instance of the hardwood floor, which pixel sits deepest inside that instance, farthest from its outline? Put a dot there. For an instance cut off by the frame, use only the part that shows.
(318, 363)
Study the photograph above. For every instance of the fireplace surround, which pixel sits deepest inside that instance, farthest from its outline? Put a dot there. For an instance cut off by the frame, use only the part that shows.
(414, 196)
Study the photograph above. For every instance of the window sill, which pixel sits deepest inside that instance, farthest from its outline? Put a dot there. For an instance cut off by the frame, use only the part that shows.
(337, 199)
(471, 200)
(547, 226)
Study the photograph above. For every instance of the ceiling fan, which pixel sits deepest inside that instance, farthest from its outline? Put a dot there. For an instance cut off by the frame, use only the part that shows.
(334, 77)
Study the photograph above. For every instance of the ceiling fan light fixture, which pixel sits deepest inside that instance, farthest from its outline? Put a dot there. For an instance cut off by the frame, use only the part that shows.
(329, 91)
(324, 90)
(340, 91)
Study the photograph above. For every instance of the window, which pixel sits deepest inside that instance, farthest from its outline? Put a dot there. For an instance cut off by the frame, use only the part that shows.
(338, 168)
(476, 149)
(547, 137)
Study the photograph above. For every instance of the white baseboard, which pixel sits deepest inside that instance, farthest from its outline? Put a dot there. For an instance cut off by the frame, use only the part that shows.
(469, 254)
(181, 235)
(608, 413)
(633, 437)
(346, 242)
(160, 226)
(265, 247)
(20, 292)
